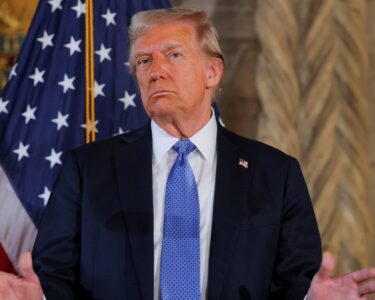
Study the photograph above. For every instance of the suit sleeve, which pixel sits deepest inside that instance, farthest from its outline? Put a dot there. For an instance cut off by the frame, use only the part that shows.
(56, 249)
(299, 248)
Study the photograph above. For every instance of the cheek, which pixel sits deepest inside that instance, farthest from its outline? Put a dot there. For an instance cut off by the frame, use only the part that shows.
(144, 98)
(192, 79)
(142, 85)
(141, 78)
(193, 84)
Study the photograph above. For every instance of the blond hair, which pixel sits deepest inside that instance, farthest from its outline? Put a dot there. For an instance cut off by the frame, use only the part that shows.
(143, 21)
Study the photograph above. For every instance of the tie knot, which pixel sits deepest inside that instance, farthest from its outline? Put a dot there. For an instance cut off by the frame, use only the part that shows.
(183, 147)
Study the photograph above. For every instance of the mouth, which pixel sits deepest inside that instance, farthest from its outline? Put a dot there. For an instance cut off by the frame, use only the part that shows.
(160, 93)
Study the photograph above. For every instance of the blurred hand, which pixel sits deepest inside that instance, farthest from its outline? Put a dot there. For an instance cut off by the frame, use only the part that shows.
(23, 287)
(351, 286)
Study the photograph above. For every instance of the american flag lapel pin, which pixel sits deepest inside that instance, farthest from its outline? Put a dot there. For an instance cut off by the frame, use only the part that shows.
(243, 163)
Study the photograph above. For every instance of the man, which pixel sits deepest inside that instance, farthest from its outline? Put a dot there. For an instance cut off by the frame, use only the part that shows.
(106, 231)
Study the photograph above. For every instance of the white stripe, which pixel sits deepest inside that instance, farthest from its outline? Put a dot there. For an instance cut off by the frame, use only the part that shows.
(17, 231)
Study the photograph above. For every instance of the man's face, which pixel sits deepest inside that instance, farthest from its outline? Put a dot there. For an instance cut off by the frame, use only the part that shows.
(173, 73)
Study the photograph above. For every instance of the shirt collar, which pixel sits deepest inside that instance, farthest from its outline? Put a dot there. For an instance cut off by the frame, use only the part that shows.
(204, 140)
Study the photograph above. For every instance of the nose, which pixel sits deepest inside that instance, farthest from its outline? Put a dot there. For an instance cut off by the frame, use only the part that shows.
(157, 69)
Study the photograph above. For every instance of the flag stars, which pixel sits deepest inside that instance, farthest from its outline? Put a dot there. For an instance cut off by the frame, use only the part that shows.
(120, 131)
(13, 72)
(45, 195)
(37, 77)
(92, 126)
(73, 46)
(21, 151)
(55, 4)
(98, 89)
(128, 100)
(103, 53)
(109, 17)
(46, 40)
(67, 83)
(80, 8)
(3, 106)
(54, 158)
(61, 120)
(29, 114)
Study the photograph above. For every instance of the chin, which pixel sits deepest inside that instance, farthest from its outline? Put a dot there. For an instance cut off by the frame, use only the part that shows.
(161, 110)
(160, 114)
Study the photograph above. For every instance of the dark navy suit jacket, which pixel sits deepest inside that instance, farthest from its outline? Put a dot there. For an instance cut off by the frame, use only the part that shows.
(96, 237)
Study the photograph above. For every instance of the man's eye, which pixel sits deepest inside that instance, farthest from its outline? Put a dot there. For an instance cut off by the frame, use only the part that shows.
(143, 61)
(175, 55)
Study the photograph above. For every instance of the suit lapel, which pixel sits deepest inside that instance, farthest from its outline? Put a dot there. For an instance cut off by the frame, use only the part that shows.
(133, 165)
(231, 190)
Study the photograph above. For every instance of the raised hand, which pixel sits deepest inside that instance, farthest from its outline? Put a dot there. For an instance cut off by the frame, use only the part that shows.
(352, 286)
(23, 287)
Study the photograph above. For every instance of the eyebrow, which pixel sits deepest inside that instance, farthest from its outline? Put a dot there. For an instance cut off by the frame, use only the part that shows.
(167, 47)
(172, 47)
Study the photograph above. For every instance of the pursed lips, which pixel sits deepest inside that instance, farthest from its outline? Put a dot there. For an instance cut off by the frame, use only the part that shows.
(160, 93)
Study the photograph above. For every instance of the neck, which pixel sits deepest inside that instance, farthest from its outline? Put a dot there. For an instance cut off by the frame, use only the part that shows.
(184, 128)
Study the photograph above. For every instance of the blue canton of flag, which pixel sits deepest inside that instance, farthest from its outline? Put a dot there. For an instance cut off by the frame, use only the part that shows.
(42, 109)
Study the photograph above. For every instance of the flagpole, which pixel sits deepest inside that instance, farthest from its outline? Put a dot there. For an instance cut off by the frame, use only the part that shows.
(89, 73)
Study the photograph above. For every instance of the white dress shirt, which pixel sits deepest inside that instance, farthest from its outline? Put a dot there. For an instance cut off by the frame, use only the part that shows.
(203, 163)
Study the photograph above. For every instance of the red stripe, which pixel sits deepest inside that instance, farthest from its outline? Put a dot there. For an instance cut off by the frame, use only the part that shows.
(5, 264)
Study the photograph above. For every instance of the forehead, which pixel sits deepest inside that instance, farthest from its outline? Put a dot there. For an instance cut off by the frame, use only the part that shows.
(175, 33)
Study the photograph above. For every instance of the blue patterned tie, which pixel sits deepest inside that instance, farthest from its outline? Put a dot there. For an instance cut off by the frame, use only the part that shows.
(180, 264)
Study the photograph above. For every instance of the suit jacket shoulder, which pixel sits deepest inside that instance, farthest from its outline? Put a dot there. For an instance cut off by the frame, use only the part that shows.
(92, 150)
(260, 151)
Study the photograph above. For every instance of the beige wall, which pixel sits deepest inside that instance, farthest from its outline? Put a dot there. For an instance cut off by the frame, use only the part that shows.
(15, 17)
(371, 99)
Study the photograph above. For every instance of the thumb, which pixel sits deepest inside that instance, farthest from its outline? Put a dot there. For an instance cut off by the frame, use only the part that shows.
(327, 266)
(26, 267)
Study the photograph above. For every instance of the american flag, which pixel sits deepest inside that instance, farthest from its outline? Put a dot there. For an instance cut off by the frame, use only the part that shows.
(42, 109)
(243, 163)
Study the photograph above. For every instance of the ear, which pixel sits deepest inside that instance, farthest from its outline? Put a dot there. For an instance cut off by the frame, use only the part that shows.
(214, 73)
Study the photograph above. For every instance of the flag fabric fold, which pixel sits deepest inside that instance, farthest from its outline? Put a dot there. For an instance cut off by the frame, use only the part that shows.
(42, 108)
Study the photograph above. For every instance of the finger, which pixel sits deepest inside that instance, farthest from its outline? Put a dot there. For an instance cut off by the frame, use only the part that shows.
(7, 276)
(8, 295)
(367, 287)
(363, 274)
(327, 266)
(6, 291)
(26, 267)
